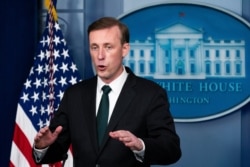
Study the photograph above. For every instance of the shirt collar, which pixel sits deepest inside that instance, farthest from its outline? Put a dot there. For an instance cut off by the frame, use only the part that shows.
(115, 85)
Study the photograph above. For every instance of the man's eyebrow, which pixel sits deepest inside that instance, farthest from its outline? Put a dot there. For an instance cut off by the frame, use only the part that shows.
(107, 43)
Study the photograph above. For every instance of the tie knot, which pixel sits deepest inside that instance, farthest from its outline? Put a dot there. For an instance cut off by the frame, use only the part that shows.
(106, 89)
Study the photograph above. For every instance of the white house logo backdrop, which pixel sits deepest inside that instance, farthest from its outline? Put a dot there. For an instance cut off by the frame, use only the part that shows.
(198, 53)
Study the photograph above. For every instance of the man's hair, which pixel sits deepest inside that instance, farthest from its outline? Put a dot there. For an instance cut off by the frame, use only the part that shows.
(108, 22)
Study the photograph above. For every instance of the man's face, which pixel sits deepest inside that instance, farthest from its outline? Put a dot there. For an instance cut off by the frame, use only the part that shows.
(107, 52)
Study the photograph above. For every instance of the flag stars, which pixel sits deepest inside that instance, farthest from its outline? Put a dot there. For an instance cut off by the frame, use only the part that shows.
(55, 67)
(25, 97)
(31, 71)
(56, 26)
(65, 53)
(40, 124)
(46, 68)
(27, 84)
(44, 96)
(60, 95)
(35, 96)
(47, 122)
(64, 42)
(33, 110)
(37, 82)
(73, 67)
(56, 40)
(73, 80)
(42, 110)
(48, 110)
(41, 55)
(63, 81)
(45, 82)
(57, 106)
(64, 67)
(43, 41)
(48, 40)
(39, 69)
(47, 54)
(56, 54)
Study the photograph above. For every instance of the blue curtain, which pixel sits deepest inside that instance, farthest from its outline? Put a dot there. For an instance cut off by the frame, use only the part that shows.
(18, 32)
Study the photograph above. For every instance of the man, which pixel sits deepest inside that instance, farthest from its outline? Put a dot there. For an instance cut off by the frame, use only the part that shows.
(140, 129)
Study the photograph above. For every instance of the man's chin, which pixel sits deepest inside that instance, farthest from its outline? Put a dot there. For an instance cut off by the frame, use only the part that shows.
(102, 74)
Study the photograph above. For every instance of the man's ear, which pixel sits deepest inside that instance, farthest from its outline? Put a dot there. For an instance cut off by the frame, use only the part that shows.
(125, 48)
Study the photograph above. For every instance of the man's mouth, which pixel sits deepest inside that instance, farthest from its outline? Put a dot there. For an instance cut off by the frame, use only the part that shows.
(101, 67)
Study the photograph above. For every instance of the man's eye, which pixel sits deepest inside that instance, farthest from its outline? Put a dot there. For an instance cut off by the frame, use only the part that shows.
(94, 47)
(108, 47)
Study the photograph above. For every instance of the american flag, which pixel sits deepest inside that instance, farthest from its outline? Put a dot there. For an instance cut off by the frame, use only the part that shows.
(53, 71)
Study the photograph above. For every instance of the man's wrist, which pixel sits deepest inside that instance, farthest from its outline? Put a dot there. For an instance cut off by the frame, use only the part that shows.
(39, 153)
(139, 155)
(142, 150)
(40, 149)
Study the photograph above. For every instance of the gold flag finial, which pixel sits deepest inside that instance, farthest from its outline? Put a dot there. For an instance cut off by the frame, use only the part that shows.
(47, 4)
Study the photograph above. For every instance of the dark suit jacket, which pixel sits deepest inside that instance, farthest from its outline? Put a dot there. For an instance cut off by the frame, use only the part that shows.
(142, 108)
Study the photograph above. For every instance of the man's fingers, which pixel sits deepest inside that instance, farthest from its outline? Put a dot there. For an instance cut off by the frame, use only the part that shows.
(43, 130)
(45, 137)
(119, 133)
(129, 139)
(113, 135)
(58, 131)
(123, 136)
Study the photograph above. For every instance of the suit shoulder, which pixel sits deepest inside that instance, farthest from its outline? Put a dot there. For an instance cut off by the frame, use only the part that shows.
(84, 84)
(147, 83)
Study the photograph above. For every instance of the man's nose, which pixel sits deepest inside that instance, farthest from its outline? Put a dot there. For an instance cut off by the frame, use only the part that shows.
(101, 53)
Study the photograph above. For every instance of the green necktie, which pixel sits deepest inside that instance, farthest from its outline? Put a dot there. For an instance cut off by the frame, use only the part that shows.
(103, 113)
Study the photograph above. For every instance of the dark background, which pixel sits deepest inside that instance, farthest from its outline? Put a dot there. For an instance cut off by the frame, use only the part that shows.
(19, 32)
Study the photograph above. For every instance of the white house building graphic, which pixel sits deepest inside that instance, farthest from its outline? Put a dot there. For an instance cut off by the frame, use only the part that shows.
(181, 52)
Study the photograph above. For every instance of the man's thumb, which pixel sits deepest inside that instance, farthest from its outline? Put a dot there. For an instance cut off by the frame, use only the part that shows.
(58, 131)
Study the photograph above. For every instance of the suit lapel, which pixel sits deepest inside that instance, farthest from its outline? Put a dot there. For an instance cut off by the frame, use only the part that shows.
(89, 112)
